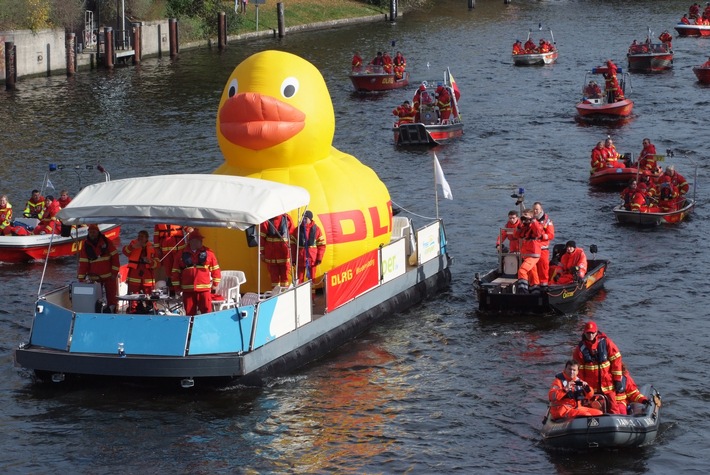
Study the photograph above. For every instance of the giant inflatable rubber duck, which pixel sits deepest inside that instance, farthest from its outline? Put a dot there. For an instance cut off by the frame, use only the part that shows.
(276, 121)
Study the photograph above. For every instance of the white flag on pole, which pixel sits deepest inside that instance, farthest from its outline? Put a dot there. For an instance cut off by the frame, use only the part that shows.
(440, 179)
(50, 185)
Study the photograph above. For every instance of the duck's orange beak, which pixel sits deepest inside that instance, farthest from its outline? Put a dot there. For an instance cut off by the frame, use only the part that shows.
(256, 122)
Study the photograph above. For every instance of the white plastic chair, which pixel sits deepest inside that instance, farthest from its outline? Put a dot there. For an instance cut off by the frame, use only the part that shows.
(228, 288)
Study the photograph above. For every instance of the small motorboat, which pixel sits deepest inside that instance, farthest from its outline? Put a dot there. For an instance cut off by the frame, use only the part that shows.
(648, 57)
(371, 78)
(608, 431)
(692, 30)
(596, 105)
(498, 294)
(613, 177)
(624, 216)
(702, 73)
(51, 246)
(537, 57)
(430, 130)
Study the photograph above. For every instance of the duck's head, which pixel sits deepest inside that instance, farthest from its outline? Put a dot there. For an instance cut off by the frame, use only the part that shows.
(275, 112)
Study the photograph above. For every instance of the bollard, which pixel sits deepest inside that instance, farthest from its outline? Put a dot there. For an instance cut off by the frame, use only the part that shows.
(173, 33)
(221, 30)
(137, 42)
(507, 2)
(70, 45)
(280, 16)
(471, 4)
(10, 65)
(108, 47)
(393, 10)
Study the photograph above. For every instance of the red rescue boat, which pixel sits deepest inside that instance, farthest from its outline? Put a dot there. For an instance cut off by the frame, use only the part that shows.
(614, 177)
(702, 73)
(648, 57)
(374, 79)
(598, 105)
(692, 30)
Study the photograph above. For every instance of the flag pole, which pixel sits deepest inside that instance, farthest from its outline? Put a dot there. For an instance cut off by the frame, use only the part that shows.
(436, 191)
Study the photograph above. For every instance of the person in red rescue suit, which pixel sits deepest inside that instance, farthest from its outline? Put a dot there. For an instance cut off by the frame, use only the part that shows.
(443, 102)
(548, 235)
(675, 179)
(356, 62)
(612, 157)
(599, 363)
(518, 47)
(507, 232)
(566, 393)
(529, 233)
(666, 38)
(421, 97)
(48, 222)
(630, 393)
(142, 262)
(168, 241)
(99, 262)
(572, 267)
(307, 248)
(387, 64)
(64, 199)
(530, 46)
(627, 194)
(598, 161)
(5, 214)
(404, 113)
(612, 89)
(640, 201)
(196, 272)
(34, 206)
(647, 157)
(275, 248)
(399, 65)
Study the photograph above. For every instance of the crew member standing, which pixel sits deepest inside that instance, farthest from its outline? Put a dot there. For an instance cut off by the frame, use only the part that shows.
(548, 234)
(275, 248)
(308, 247)
(599, 363)
(196, 272)
(529, 233)
(399, 65)
(142, 262)
(99, 262)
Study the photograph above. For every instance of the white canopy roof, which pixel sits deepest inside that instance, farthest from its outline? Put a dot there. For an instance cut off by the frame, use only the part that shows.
(197, 200)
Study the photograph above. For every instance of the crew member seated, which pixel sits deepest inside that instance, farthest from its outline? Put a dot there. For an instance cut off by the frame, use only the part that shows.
(572, 267)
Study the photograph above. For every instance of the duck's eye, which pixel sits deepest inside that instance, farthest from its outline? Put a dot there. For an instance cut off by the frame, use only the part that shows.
(233, 88)
(289, 87)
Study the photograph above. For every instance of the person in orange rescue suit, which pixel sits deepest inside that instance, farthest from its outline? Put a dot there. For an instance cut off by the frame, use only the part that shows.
(685, 19)
(668, 197)
(387, 64)
(168, 241)
(421, 96)
(628, 193)
(694, 10)
(640, 200)
(142, 262)
(629, 394)
(544, 46)
(196, 272)
(598, 161)
(356, 62)
(507, 232)
(443, 102)
(647, 157)
(706, 64)
(592, 90)
(275, 248)
(676, 179)
(99, 262)
(378, 60)
(529, 233)
(48, 222)
(666, 38)
(307, 247)
(404, 113)
(518, 47)
(64, 198)
(599, 363)
(548, 235)
(5, 214)
(567, 392)
(612, 157)
(400, 65)
(34, 206)
(572, 267)
(612, 89)
(529, 46)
